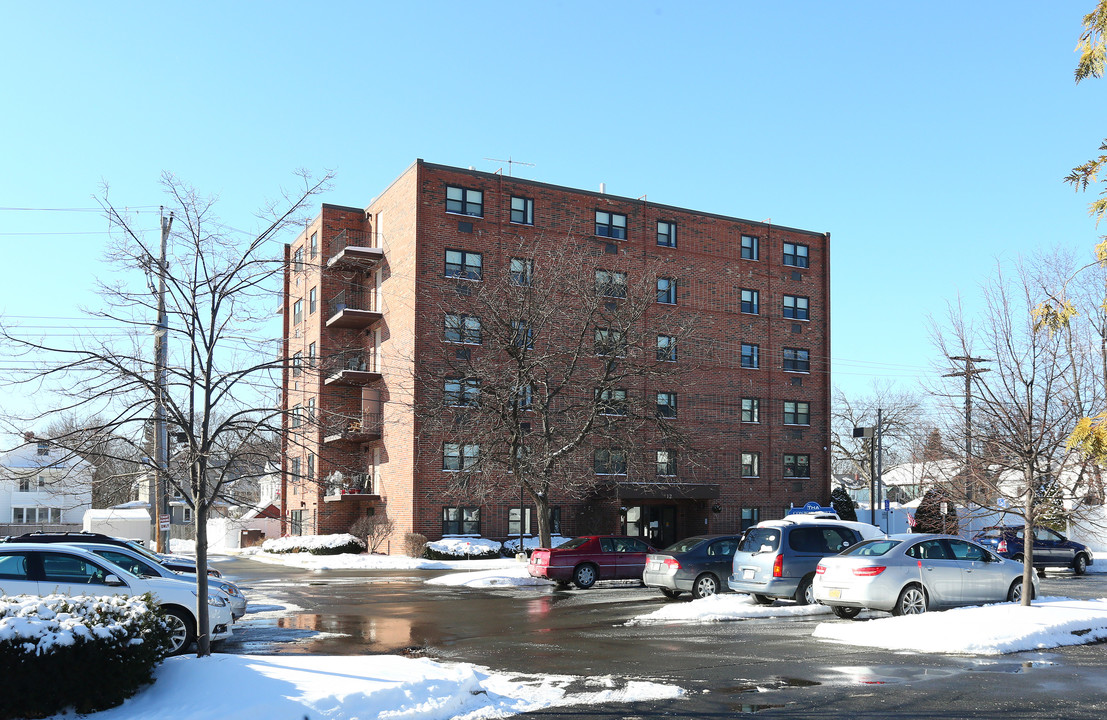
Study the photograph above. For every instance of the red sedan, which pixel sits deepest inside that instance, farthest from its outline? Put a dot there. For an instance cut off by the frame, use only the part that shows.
(584, 560)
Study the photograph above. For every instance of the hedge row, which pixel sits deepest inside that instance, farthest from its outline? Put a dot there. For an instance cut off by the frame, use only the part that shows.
(85, 653)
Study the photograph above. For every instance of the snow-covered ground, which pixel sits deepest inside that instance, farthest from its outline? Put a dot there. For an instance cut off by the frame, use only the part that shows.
(362, 688)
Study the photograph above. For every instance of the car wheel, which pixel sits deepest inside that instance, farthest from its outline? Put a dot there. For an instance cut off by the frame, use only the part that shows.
(584, 576)
(671, 594)
(1017, 558)
(181, 632)
(763, 599)
(1080, 565)
(706, 585)
(846, 613)
(805, 594)
(912, 601)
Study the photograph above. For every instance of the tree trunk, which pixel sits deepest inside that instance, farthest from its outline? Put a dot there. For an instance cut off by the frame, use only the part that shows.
(203, 619)
(1028, 550)
(542, 507)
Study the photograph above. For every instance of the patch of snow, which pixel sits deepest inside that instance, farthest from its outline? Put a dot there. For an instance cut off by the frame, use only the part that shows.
(724, 607)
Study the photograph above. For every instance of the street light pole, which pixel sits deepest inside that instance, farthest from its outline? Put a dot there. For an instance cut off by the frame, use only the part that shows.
(159, 504)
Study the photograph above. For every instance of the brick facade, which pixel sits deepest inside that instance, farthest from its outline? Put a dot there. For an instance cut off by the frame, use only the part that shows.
(380, 266)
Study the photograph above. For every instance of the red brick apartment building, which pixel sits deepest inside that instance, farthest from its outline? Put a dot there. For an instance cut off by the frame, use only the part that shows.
(357, 324)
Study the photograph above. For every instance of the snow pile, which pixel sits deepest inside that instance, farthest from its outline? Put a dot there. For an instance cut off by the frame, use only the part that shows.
(464, 546)
(376, 686)
(730, 606)
(531, 543)
(311, 543)
(513, 575)
(39, 624)
(182, 546)
(986, 630)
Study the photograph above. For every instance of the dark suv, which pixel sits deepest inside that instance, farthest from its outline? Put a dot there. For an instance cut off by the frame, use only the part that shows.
(1051, 549)
(176, 564)
(777, 558)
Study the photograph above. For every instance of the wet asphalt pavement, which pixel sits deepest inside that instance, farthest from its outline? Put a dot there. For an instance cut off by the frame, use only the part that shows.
(769, 667)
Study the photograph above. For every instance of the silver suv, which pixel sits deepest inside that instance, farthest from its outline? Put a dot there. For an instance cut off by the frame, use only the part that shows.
(777, 558)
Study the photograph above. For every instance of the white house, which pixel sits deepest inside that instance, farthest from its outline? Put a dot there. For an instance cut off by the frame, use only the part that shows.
(43, 487)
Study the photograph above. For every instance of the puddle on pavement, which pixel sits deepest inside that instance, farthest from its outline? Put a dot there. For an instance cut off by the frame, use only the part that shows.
(896, 674)
(765, 685)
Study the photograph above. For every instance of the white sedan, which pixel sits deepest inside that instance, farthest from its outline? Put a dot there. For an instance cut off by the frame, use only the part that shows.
(55, 569)
(910, 574)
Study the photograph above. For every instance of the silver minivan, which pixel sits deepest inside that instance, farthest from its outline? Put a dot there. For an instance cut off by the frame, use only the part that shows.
(777, 558)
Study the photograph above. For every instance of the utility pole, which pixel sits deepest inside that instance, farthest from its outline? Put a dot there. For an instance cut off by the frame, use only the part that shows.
(159, 504)
(968, 373)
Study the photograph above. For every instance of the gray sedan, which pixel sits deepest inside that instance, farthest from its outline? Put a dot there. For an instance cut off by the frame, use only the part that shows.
(910, 574)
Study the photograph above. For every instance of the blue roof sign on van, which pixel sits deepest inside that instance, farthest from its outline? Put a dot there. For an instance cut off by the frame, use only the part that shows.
(811, 507)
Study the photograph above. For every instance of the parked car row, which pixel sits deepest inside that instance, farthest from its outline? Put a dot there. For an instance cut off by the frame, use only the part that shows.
(94, 564)
(848, 566)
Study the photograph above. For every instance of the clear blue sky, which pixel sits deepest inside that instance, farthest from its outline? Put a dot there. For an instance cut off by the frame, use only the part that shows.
(927, 138)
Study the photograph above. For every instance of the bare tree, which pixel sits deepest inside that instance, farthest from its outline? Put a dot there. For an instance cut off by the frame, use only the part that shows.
(903, 426)
(542, 382)
(1023, 408)
(117, 464)
(221, 285)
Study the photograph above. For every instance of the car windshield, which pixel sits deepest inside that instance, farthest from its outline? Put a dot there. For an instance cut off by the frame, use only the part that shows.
(685, 545)
(871, 548)
(572, 544)
(143, 552)
(761, 540)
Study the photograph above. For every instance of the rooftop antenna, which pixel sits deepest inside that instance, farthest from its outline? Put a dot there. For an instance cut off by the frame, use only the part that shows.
(510, 162)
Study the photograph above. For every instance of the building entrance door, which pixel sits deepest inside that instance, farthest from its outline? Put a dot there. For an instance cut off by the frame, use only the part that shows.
(654, 523)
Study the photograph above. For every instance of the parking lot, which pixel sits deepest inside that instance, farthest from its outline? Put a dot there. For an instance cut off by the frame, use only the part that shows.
(768, 666)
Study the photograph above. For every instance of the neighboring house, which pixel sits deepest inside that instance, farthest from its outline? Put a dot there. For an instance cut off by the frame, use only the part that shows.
(43, 488)
(359, 323)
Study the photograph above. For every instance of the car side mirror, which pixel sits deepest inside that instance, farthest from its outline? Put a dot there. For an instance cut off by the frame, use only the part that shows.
(113, 580)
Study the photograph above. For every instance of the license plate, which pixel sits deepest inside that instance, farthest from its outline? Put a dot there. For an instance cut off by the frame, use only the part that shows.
(835, 593)
(747, 574)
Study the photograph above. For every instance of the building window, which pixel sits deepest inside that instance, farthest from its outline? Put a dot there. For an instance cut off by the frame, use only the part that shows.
(297, 364)
(461, 521)
(750, 517)
(612, 225)
(524, 397)
(313, 300)
(521, 271)
(750, 356)
(610, 461)
(294, 469)
(612, 402)
(186, 515)
(514, 527)
(311, 355)
(311, 467)
(751, 464)
(522, 211)
(797, 413)
(298, 259)
(313, 245)
(521, 334)
(795, 255)
(750, 247)
(460, 456)
(611, 284)
(797, 466)
(25, 484)
(666, 405)
(463, 264)
(462, 392)
(751, 300)
(751, 410)
(666, 348)
(797, 360)
(666, 234)
(43, 447)
(610, 342)
(795, 307)
(295, 419)
(666, 463)
(462, 329)
(298, 312)
(296, 524)
(464, 201)
(311, 410)
(666, 291)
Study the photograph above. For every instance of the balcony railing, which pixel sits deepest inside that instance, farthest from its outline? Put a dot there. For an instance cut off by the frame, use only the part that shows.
(354, 484)
(351, 250)
(350, 368)
(360, 429)
(352, 308)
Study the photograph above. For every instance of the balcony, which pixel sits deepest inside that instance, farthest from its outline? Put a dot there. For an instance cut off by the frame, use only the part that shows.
(360, 429)
(352, 309)
(352, 252)
(353, 486)
(351, 369)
